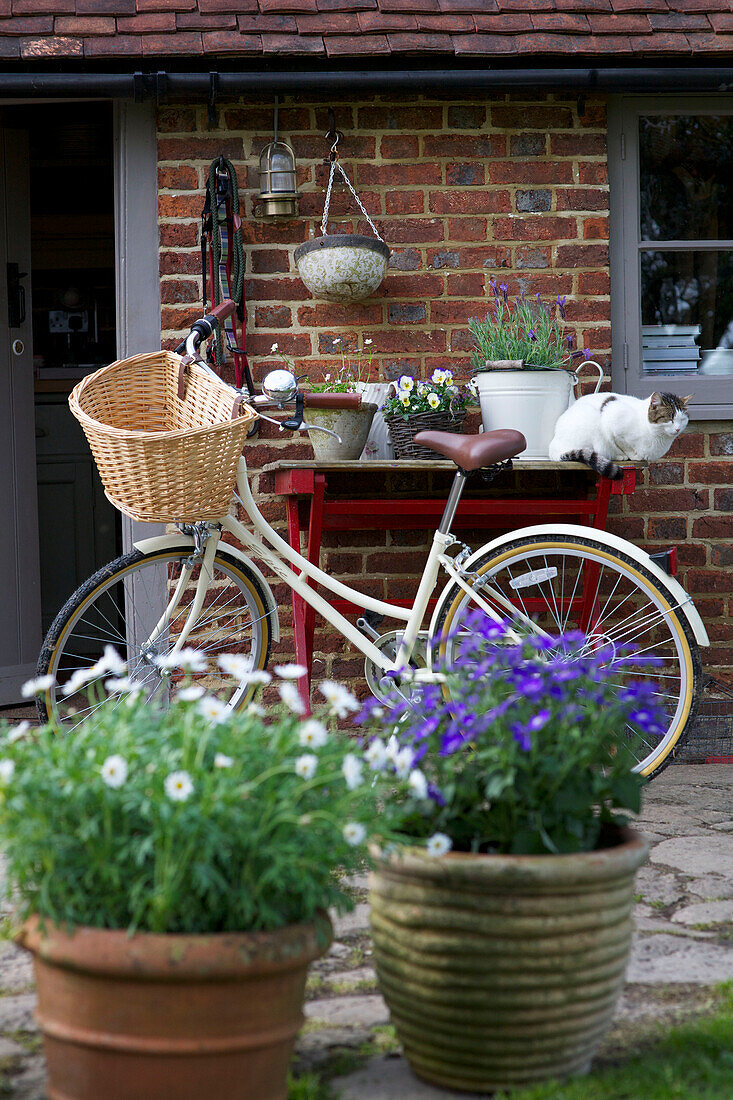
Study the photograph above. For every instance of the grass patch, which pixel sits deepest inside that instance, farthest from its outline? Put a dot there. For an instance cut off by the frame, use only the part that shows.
(309, 1087)
(691, 1062)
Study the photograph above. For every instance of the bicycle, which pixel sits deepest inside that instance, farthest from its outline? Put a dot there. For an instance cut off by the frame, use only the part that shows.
(191, 589)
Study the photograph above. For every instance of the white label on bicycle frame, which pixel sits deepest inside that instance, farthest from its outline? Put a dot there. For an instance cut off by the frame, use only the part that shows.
(537, 576)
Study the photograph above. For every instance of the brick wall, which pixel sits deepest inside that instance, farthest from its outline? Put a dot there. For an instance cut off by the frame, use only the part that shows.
(461, 190)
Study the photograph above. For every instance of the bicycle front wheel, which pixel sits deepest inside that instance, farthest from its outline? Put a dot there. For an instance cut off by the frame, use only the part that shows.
(566, 582)
(122, 604)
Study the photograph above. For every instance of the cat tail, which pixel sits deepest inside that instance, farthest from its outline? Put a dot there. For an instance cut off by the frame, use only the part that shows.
(606, 467)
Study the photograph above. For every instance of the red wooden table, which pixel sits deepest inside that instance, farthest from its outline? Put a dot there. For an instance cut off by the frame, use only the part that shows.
(304, 485)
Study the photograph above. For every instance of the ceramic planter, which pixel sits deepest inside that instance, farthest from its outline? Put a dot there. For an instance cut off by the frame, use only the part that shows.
(351, 424)
(499, 971)
(150, 1016)
(530, 401)
(342, 268)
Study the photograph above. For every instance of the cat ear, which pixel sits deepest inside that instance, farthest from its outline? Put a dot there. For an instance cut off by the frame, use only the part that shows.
(655, 401)
(686, 400)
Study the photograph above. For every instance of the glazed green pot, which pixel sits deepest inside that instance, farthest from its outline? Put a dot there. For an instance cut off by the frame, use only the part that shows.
(500, 971)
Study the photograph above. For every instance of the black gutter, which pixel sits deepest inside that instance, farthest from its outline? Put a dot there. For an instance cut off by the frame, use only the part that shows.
(162, 85)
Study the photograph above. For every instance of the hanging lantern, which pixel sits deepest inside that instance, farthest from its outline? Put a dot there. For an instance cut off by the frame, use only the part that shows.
(278, 192)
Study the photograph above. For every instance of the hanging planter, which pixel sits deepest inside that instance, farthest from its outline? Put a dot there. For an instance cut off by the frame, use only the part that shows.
(342, 267)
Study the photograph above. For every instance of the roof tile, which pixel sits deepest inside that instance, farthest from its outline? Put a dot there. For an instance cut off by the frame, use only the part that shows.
(32, 24)
(122, 45)
(484, 45)
(710, 42)
(373, 21)
(678, 21)
(346, 5)
(468, 5)
(573, 23)
(500, 23)
(83, 24)
(619, 24)
(263, 24)
(699, 5)
(286, 5)
(291, 43)
(420, 43)
(33, 48)
(345, 46)
(147, 22)
(231, 42)
(331, 23)
(103, 7)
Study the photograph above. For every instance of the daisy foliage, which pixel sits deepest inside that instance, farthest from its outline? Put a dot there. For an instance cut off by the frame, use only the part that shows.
(527, 747)
(194, 818)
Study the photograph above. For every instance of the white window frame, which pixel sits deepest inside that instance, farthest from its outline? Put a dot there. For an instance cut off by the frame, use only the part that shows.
(713, 395)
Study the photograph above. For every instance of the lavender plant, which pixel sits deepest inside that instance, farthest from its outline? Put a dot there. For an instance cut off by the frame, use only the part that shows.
(526, 330)
(527, 747)
(192, 818)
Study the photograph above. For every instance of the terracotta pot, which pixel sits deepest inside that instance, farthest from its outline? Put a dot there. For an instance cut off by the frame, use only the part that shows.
(156, 1016)
(499, 971)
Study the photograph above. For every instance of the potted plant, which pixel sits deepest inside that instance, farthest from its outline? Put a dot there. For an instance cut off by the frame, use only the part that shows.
(172, 869)
(352, 426)
(418, 406)
(501, 936)
(525, 366)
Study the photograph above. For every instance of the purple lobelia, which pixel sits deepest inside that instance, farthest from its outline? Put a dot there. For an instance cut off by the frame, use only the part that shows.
(528, 746)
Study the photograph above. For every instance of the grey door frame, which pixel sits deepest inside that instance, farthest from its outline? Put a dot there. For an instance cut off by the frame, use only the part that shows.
(137, 265)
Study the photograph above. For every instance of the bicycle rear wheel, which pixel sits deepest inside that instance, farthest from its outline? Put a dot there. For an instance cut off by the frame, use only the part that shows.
(121, 604)
(565, 582)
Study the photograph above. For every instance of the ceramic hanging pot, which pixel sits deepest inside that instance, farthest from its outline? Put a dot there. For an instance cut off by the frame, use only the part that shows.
(342, 267)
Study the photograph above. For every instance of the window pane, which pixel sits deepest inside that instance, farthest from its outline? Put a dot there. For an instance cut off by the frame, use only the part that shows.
(686, 169)
(687, 312)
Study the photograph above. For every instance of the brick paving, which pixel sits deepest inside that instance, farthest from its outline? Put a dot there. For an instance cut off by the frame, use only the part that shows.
(684, 945)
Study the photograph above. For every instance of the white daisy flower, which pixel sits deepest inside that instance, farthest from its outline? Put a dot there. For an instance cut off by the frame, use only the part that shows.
(16, 733)
(313, 734)
(367, 343)
(213, 709)
(274, 347)
(438, 844)
(354, 833)
(114, 771)
(7, 768)
(221, 760)
(393, 747)
(256, 709)
(407, 383)
(111, 661)
(376, 755)
(123, 685)
(433, 400)
(191, 693)
(234, 664)
(403, 762)
(337, 339)
(340, 699)
(438, 376)
(290, 671)
(37, 686)
(305, 766)
(352, 768)
(79, 679)
(188, 659)
(291, 697)
(418, 784)
(178, 786)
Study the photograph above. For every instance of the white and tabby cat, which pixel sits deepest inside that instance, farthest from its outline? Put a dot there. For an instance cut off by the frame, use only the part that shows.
(603, 429)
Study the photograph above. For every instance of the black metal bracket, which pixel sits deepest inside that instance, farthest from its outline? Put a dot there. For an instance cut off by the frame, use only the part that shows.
(213, 94)
(294, 422)
(488, 473)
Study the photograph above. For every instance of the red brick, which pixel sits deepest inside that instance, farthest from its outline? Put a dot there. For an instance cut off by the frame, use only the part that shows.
(269, 261)
(460, 145)
(470, 202)
(534, 227)
(570, 145)
(276, 317)
(329, 315)
(176, 120)
(179, 234)
(460, 286)
(405, 202)
(593, 172)
(582, 255)
(465, 175)
(529, 172)
(594, 282)
(489, 256)
(691, 445)
(179, 290)
(179, 206)
(467, 229)
(713, 527)
(411, 286)
(400, 147)
(199, 148)
(582, 198)
(390, 117)
(709, 473)
(531, 117)
(81, 25)
(455, 312)
(180, 263)
(588, 309)
(182, 176)
(595, 229)
(665, 527)
(704, 580)
(414, 340)
(275, 290)
(668, 500)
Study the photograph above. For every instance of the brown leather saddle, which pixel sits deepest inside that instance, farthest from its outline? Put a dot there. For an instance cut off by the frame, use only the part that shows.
(473, 452)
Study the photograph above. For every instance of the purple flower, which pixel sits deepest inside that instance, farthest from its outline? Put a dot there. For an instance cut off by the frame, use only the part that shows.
(504, 288)
(561, 307)
(435, 794)
(569, 339)
(532, 334)
(586, 353)
(538, 720)
(521, 736)
(452, 741)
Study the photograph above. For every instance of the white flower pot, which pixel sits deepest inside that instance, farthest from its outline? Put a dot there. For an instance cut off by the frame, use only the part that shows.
(529, 401)
(379, 441)
(343, 267)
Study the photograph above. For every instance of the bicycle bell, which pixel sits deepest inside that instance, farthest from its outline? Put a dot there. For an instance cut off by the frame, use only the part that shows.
(280, 386)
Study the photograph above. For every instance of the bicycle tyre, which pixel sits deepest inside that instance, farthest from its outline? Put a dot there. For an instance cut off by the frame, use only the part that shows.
(92, 617)
(534, 556)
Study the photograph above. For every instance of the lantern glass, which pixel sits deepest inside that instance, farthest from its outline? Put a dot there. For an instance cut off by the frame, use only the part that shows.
(277, 169)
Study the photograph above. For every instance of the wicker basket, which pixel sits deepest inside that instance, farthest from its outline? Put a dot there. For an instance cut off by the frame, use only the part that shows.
(403, 430)
(162, 458)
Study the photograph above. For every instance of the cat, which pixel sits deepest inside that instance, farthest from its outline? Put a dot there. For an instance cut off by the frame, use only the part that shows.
(603, 429)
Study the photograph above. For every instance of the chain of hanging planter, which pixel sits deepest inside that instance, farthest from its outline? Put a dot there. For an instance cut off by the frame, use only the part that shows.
(342, 267)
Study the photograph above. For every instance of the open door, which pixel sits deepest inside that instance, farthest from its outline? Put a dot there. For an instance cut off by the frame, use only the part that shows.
(20, 599)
